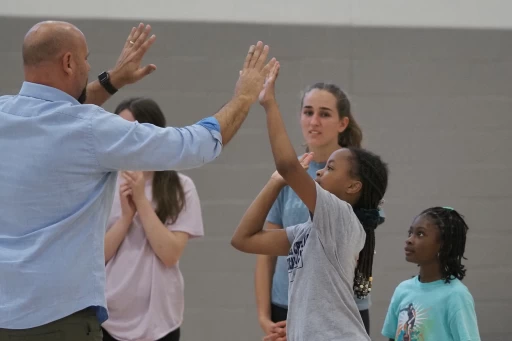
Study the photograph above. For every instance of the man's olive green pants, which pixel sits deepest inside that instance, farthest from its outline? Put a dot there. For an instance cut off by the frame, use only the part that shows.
(80, 326)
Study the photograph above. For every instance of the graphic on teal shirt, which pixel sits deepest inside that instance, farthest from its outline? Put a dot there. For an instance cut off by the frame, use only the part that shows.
(412, 323)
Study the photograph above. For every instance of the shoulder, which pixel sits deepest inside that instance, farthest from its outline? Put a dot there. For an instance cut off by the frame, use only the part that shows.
(331, 204)
(402, 291)
(406, 286)
(459, 292)
(329, 197)
(80, 111)
(186, 181)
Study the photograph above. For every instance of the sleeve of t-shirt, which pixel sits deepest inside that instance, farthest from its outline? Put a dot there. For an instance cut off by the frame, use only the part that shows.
(292, 231)
(463, 320)
(275, 215)
(122, 145)
(334, 220)
(391, 320)
(115, 211)
(190, 219)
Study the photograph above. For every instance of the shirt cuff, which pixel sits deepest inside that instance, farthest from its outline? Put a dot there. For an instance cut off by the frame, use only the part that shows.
(210, 123)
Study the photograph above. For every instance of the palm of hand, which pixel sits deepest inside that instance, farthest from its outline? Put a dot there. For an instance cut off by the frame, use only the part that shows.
(268, 92)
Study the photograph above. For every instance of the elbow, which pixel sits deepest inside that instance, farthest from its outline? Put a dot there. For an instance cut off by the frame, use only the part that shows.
(285, 168)
(170, 262)
(238, 243)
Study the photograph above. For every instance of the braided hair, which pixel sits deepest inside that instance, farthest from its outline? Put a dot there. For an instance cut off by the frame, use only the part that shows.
(453, 230)
(373, 174)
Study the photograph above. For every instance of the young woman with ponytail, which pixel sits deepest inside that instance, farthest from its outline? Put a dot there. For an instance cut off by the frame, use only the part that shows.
(153, 216)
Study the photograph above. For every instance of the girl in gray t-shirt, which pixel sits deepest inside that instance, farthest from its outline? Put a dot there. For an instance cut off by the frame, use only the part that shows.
(330, 256)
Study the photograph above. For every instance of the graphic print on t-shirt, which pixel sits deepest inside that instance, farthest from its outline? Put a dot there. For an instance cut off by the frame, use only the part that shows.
(411, 323)
(295, 255)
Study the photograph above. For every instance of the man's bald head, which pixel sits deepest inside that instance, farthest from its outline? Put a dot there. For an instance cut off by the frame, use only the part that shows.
(49, 40)
(55, 54)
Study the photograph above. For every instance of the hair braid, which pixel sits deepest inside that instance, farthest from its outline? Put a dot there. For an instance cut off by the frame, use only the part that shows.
(373, 174)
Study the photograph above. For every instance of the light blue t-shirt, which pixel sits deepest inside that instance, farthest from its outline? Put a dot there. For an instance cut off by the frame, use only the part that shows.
(59, 163)
(431, 312)
(289, 210)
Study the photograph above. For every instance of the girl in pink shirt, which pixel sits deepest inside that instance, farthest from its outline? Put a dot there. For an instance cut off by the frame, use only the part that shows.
(152, 218)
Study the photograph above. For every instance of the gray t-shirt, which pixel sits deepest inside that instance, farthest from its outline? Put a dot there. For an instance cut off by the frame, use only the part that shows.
(321, 265)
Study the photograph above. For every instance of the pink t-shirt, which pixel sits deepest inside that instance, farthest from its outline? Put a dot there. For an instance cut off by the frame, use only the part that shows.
(145, 299)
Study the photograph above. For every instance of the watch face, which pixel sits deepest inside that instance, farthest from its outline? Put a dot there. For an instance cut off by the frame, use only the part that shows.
(103, 76)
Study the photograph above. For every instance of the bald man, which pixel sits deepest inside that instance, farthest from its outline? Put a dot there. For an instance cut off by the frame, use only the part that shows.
(60, 159)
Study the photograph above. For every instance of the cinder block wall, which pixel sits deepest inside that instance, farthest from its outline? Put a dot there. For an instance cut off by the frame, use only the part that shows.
(434, 103)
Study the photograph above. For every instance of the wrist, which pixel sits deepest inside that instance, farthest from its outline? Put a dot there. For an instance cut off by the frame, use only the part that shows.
(278, 183)
(116, 80)
(243, 100)
(263, 319)
(140, 200)
(126, 219)
(270, 104)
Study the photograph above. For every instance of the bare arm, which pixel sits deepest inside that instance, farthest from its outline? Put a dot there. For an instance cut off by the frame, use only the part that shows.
(249, 85)
(231, 117)
(265, 267)
(250, 237)
(127, 69)
(115, 236)
(96, 94)
(117, 232)
(284, 155)
(167, 245)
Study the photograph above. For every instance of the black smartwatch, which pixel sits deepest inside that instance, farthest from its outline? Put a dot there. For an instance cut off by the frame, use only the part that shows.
(104, 79)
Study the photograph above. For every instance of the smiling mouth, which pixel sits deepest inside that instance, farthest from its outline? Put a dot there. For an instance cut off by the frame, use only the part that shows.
(314, 132)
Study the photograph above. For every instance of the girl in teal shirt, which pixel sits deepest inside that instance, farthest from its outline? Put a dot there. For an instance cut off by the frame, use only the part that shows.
(434, 305)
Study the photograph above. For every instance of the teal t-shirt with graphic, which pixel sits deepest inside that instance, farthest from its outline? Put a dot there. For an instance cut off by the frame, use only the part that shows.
(431, 312)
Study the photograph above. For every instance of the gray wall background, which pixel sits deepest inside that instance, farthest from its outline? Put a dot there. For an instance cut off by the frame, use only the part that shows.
(435, 103)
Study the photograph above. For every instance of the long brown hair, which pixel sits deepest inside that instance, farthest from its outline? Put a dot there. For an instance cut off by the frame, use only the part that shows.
(168, 193)
(352, 136)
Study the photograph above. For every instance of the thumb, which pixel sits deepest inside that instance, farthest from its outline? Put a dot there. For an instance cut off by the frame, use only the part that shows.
(146, 70)
(282, 324)
(305, 160)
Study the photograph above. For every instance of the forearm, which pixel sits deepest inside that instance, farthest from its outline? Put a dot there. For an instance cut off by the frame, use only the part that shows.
(254, 218)
(265, 267)
(115, 236)
(164, 243)
(231, 117)
(284, 154)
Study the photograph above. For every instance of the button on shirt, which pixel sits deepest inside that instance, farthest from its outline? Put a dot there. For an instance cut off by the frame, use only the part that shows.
(58, 169)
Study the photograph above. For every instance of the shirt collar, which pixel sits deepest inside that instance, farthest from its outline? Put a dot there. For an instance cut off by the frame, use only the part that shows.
(46, 93)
